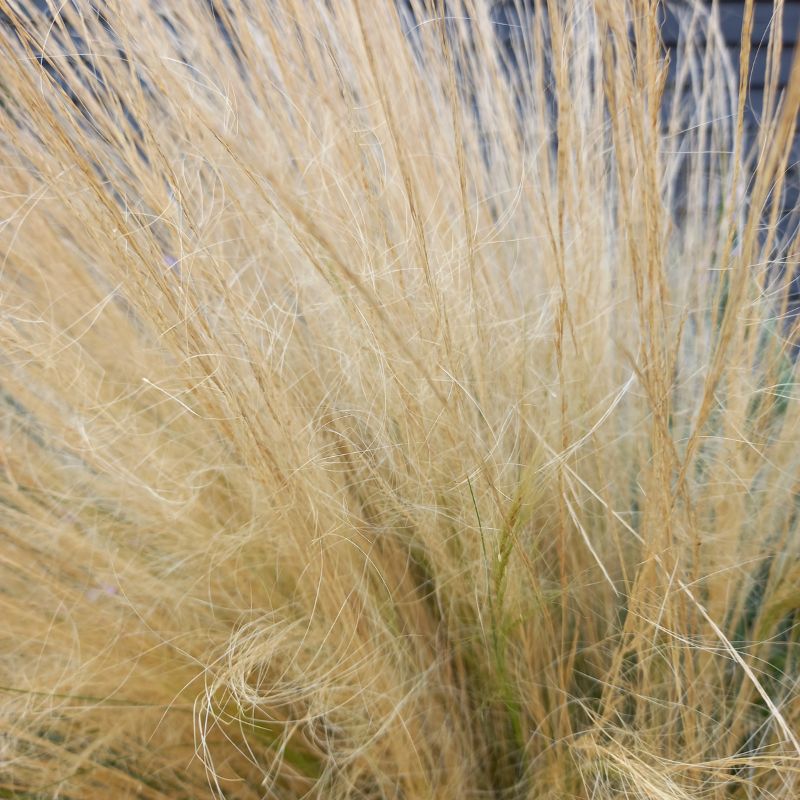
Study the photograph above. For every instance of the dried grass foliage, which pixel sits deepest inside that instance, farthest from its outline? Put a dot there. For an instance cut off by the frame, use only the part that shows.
(387, 413)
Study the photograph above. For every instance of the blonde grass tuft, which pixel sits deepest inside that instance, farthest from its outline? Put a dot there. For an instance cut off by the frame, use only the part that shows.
(395, 404)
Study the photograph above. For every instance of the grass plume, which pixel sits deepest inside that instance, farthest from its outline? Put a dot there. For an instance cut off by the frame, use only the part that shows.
(395, 404)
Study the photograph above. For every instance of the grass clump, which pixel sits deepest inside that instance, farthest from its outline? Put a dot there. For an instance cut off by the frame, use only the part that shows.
(392, 408)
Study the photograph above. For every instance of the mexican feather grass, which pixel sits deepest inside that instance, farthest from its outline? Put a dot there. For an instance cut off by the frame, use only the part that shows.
(395, 404)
